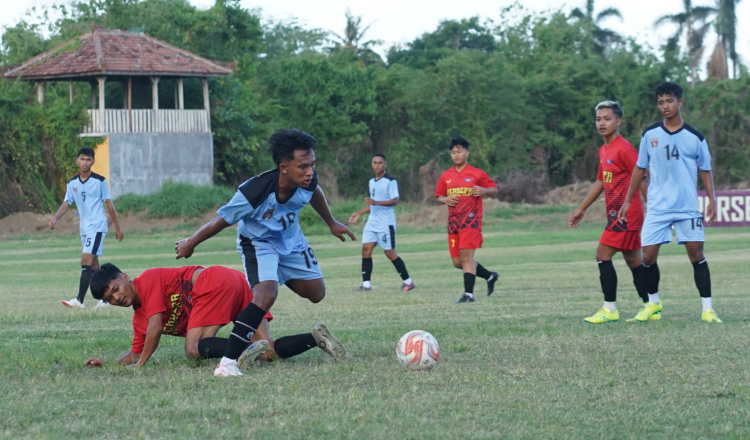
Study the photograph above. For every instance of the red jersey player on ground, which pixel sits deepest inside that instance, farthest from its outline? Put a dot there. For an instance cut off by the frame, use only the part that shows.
(462, 187)
(194, 303)
(617, 159)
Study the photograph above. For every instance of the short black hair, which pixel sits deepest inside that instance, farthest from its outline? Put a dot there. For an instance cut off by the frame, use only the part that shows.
(283, 143)
(87, 151)
(614, 105)
(101, 278)
(668, 88)
(379, 155)
(459, 140)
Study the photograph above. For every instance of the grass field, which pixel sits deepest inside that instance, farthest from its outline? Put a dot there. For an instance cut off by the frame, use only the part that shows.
(518, 364)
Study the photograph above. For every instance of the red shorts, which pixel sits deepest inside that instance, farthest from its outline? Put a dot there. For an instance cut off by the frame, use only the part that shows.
(219, 295)
(468, 238)
(622, 241)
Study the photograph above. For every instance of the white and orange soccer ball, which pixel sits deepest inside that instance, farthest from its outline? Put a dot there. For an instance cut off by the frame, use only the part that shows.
(418, 350)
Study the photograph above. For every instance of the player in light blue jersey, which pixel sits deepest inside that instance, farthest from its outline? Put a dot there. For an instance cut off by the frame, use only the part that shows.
(274, 251)
(380, 228)
(90, 192)
(674, 154)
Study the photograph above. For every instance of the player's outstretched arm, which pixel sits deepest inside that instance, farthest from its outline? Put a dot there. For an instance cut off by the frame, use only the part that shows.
(153, 334)
(58, 215)
(635, 184)
(128, 358)
(354, 217)
(185, 247)
(593, 194)
(320, 205)
(113, 215)
(707, 178)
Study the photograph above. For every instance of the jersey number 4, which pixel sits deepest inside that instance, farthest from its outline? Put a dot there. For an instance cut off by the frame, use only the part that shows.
(673, 152)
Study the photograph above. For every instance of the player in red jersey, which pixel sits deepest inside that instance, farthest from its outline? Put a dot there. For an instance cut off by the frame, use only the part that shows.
(194, 303)
(617, 158)
(462, 187)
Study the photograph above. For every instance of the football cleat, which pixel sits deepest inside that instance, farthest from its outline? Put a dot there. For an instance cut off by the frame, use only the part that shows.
(466, 298)
(603, 316)
(74, 303)
(655, 317)
(328, 343)
(649, 310)
(407, 287)
(101, 304)
(228, 369)
(491, 282)
(710, 316)
(252, 353)
(363, 289)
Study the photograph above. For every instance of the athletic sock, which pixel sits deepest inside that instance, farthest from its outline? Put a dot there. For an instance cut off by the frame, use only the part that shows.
(702, 278)
(608, 280)
(469, 279)
(212, 348)
(611, 306)
(706, 303)
(244, 328)
(366, 269)
(83, 285)
(482, 272)
(654, 298)
(398, 263)
(640, 282)
(651, 277)
(289, 346)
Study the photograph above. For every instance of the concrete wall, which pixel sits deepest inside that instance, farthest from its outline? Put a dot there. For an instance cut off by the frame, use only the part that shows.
(140, 163)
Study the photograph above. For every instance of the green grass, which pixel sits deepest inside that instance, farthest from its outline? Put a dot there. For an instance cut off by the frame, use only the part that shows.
(518, 364)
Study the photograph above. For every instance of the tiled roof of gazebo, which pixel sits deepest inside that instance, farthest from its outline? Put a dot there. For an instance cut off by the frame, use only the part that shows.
(104, 52)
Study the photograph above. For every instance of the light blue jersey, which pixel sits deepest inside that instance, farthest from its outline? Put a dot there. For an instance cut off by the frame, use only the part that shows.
(263, 219)
(89, 197)
(673, 161)
(381, 217)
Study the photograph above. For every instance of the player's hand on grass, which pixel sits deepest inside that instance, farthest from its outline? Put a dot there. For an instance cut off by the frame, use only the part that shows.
(353, 218)
(94, 363)
(339, 229)
(183, 249)
(575, 218)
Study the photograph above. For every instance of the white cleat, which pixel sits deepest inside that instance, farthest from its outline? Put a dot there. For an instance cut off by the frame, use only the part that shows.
(74, 303)
(101, 304)
(227, 369)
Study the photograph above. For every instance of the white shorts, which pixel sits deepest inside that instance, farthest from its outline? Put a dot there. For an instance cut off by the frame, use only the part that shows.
(657, 229)
(384, 239)
(263, 263)
(93, 242)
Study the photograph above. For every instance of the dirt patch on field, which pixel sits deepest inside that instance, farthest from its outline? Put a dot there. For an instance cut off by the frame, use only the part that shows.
(430, 216)
(28, 223)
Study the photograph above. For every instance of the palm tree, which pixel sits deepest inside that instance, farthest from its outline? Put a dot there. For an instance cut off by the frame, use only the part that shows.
(602, 37)
(726, 28)
(352, 40)
(694, 21)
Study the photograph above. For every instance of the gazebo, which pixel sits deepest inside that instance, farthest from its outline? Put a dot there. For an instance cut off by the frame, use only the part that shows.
(142, 147)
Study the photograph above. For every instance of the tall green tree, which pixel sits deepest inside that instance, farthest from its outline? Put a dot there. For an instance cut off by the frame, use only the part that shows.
(726, 28)
(353, 41)
(603, 37)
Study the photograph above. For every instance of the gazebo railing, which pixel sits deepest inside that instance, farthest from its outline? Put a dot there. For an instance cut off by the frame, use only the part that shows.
(148, 121)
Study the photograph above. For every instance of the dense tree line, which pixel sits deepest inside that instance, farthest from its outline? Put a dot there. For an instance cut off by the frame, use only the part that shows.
(521, 89)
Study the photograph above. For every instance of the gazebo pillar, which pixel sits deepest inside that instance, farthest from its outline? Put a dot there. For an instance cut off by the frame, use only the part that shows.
(180, 95)
(155, 101)
(70, 91)
(206, 105)
(100, 80)
(40, 92)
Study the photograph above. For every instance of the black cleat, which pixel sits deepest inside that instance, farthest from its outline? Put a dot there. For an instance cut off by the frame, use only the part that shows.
(466, 298)
(491, 282)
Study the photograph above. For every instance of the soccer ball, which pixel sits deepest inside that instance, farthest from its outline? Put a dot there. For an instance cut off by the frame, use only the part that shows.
(418, 350)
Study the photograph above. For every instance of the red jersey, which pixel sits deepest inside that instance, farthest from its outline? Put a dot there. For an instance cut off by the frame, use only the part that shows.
(467, 213)
(165, 291)
(616, 164)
